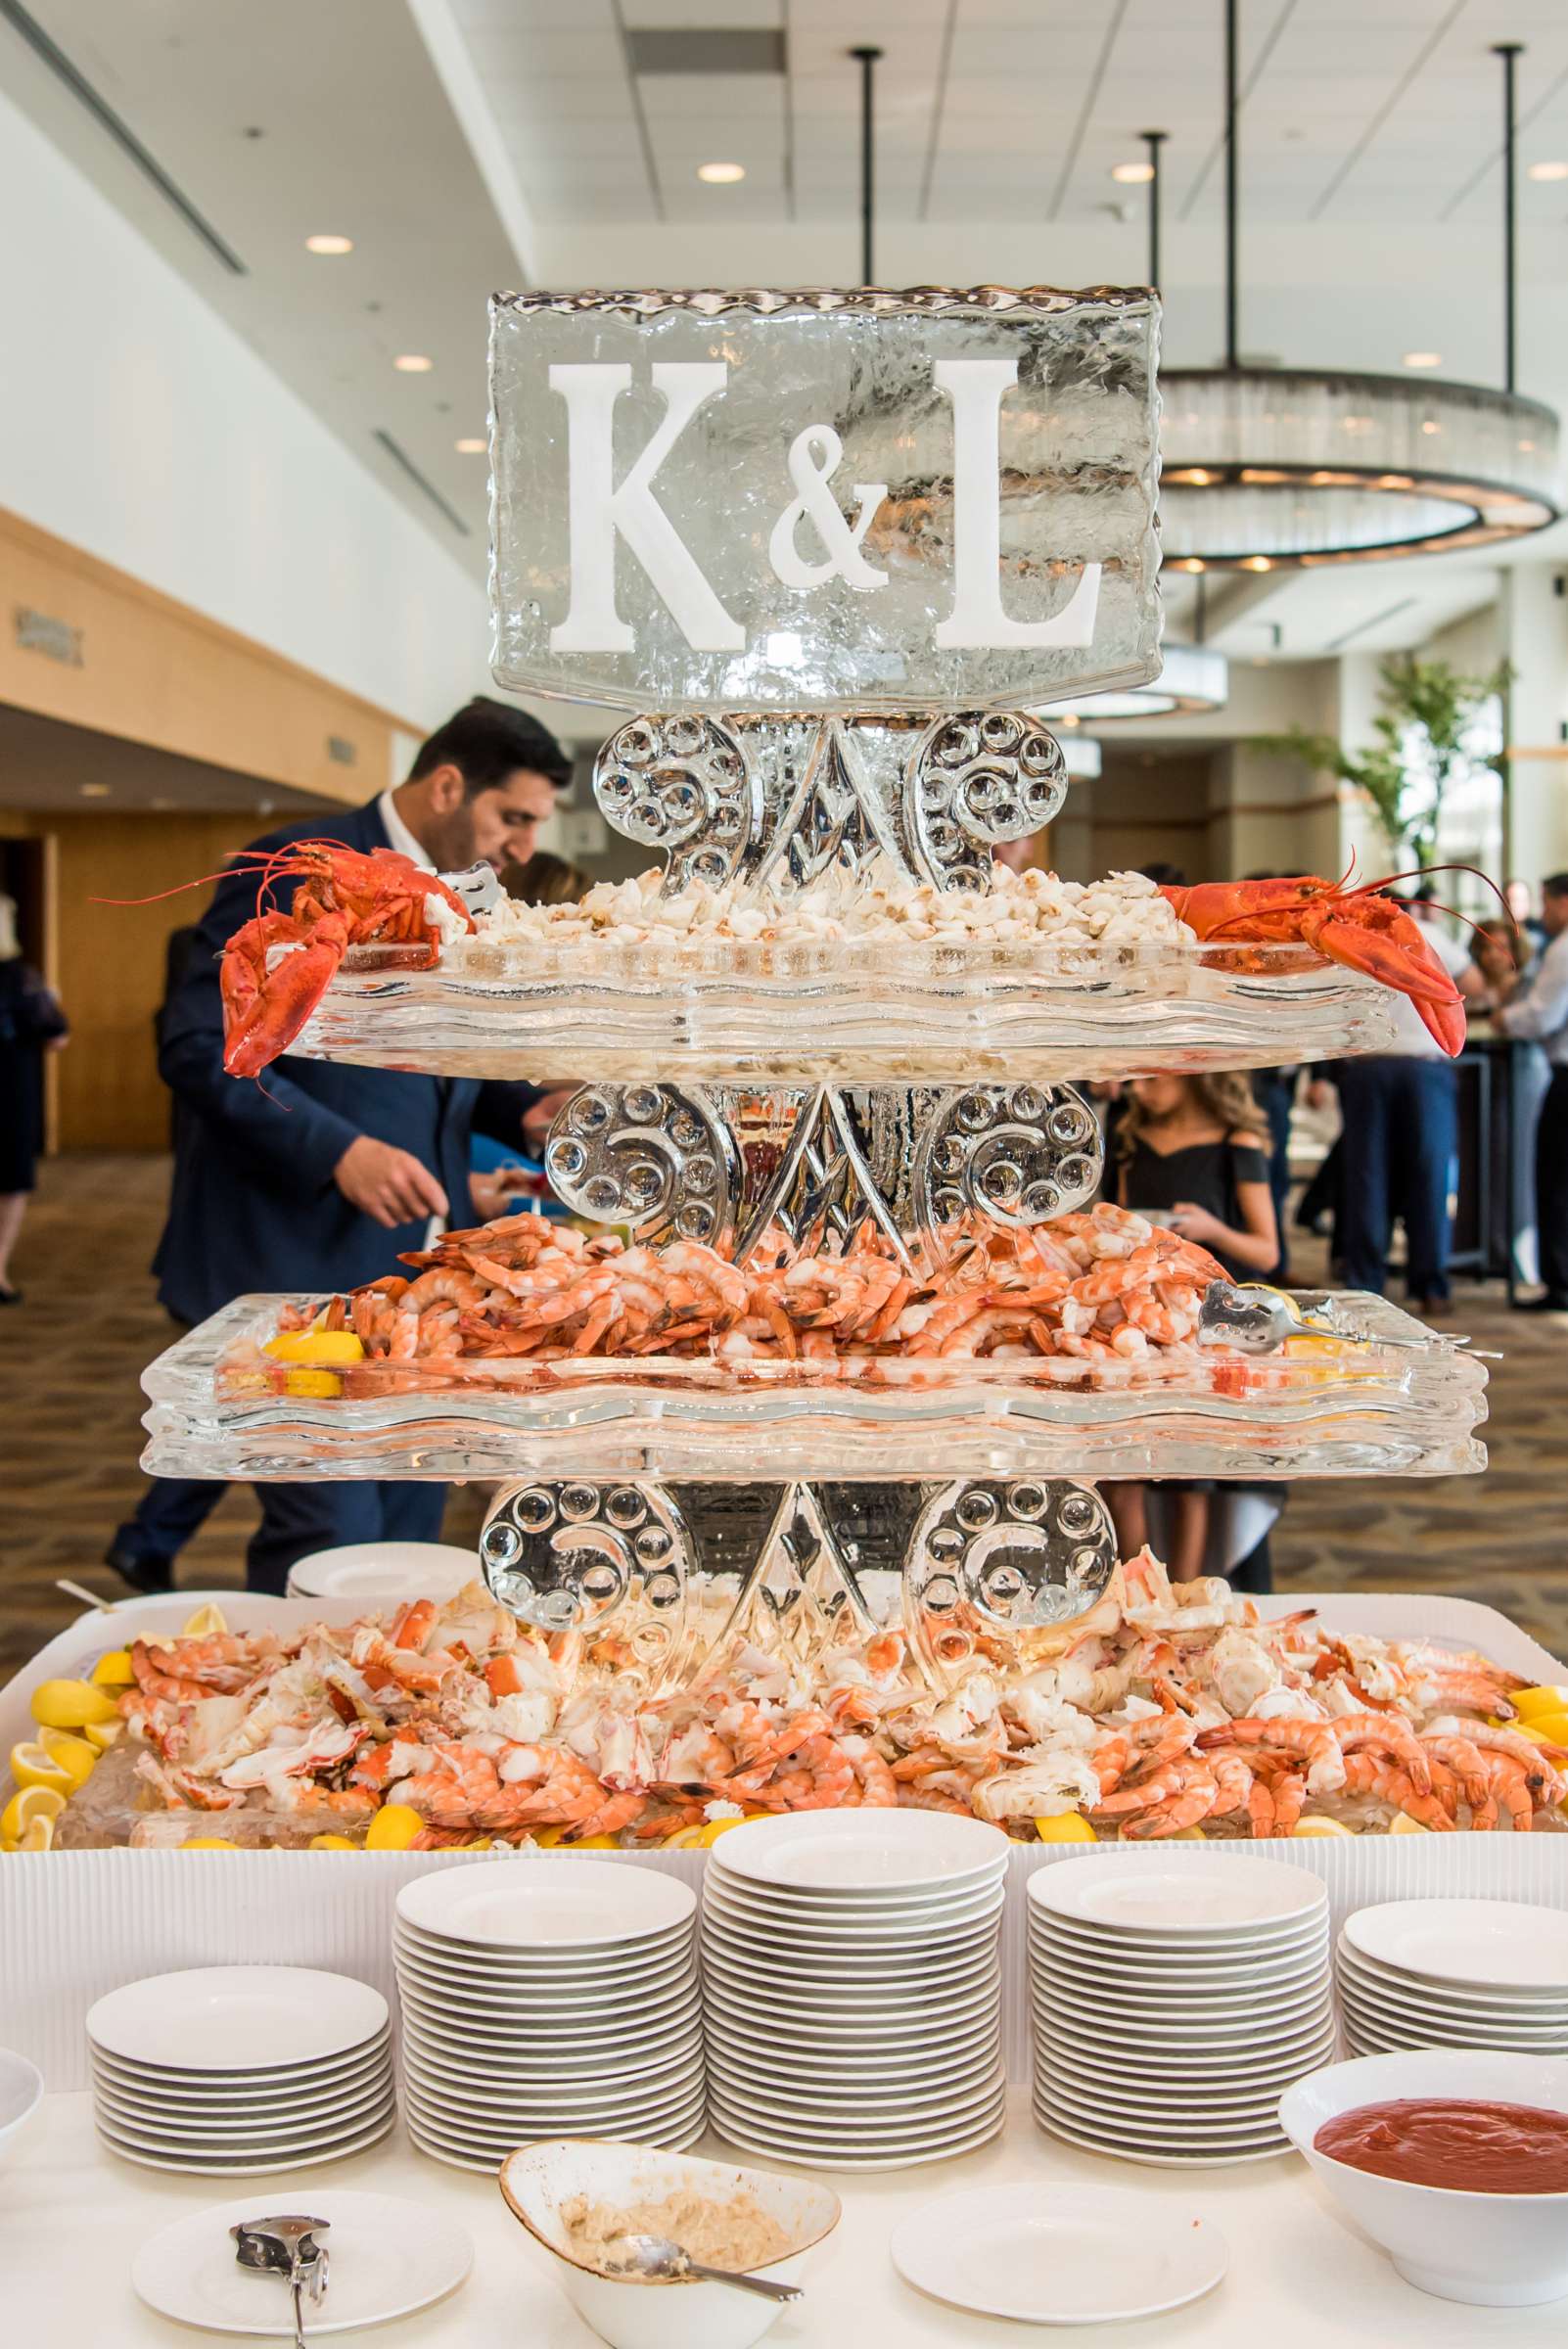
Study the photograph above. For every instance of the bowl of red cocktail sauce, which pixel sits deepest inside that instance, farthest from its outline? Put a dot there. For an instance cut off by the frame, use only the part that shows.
(1455, 2160)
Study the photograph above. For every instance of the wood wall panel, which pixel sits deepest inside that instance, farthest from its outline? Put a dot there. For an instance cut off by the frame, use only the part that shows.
(155, 672)
(106, 961)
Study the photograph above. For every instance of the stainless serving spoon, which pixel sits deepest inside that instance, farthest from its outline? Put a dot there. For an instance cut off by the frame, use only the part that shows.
(286, 2245)
(659, 2259)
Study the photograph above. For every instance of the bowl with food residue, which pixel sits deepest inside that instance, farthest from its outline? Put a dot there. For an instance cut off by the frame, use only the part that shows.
(1454, 2160)
(576, 2195)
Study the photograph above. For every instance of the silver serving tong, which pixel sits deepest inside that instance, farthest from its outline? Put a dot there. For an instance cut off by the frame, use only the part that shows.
(1256, 1320)
(286, 2245)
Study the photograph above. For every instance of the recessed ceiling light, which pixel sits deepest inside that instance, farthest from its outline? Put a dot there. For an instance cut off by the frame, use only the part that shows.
(93, 791)
(1427, 425)
(1131, 175)
(1423, 358)
(1256, 563)
(329, 243)
(470, 447)
(1547, 171)
(413, 362)
(722, 175)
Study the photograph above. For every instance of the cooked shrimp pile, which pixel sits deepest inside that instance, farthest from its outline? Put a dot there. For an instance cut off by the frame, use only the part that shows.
(1163, 1708)
(1102, 1286)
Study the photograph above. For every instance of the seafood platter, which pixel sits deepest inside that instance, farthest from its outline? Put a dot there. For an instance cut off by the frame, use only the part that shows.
(797, 1606)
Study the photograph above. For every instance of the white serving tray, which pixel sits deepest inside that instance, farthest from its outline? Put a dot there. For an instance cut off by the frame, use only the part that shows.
(74, 1924)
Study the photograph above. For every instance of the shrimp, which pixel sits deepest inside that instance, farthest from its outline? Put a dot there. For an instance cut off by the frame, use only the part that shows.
(454, 1789)
(1365, 1774)
(1312, 1741)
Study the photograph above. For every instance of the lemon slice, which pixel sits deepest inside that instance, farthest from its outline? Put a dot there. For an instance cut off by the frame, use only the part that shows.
(114, 1671)
(316, 1346)
(208, 1623)
(70, 1704)
(1067, 1826)
(55, 1759)
(208, 1843)
(102, 1735)
(1193, 1834)
(32, 1802)
(394, 1829)
(330, 1843)
(38, 1836)
(1404, 1825)
(1316, 1824)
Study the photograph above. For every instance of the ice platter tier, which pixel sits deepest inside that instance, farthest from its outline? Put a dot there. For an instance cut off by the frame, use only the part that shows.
(818, 1013)
(1387, 1398)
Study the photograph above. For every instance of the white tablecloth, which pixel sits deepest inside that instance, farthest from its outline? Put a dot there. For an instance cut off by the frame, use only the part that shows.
(71, 2216)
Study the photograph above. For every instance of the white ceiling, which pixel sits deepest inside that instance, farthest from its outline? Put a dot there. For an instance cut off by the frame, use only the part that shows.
(471, 144)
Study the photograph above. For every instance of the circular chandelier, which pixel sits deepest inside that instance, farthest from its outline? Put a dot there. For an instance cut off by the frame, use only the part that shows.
(1265, 469)
(1192, 680)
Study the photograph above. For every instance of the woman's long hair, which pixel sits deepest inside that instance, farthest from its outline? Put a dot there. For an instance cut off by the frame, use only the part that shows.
(1224, 1095)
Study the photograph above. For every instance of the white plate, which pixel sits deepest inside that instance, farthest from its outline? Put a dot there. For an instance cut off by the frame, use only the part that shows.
(384, 1570)
(500, 2133)
(1134, 1970)
(883, 1955)
(548, 1902)
(831, 2156)
(277, 2081)
(928, 1985)
(1200, 2118)
(1418, 2013)
(1239, 2046)
(1244, 2029)
(1545, 2005)
(846, 2036)
(204, 2166)
(1216, 1946)
(1181, 2077)
(1074, 2255)
(1157, 2161)
(851, 1851)
(935, 2063)
(568, 2000)
(855, 1911)
(1174, 1993)
(1191, 1898)
(562, 2050)
(436, 2090)
(389, 2257)
(249, 2018)
(860, 2111)
(463, 2157)
(1494, 1945)
(474, 2085)
(265, 2128)
(298, 2096)
(522, 1969)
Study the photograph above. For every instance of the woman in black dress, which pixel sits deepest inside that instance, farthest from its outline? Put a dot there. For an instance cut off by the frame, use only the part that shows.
(1191, 1154)
(31, 1019)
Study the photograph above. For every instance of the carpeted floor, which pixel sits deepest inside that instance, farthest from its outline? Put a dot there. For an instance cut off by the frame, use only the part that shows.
(71, 1355)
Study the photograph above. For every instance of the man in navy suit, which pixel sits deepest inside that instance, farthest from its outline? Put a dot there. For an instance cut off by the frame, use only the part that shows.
(317, 1177)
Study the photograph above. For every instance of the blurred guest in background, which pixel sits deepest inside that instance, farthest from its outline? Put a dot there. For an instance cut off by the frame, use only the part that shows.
(319, 1177)
(1401, 1144)
(1538, 1012)
(32, 1023)
(548, 880)
(1499, 952)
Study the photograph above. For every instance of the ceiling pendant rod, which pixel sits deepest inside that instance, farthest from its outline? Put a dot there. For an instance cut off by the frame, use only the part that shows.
(1232, 352)
(868, 63)
(1508, 51)
(1154, 140)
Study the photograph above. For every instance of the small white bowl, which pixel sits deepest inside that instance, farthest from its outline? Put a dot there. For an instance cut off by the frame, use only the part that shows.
(1488, 2250)
(22, 2091)
(537, 2180)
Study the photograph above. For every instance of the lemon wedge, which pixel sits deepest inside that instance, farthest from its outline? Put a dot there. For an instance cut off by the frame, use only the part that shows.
(1316, 1824)
(38, 1836)
(70, 1704)
(1067, 1826)
(1547, 1699)
(208, 1843)
(114, 1671)
(330, 1843)
(101, 1734)
(394, 1829)
(208, 1623)
(318, 1347)
(1542, 1729)
(546, 1839)
(32, 1802)
(1193, 1834)
(56, 1759)
(1404, 1825)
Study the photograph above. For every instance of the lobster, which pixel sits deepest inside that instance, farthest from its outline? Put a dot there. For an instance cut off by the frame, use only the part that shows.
(1359, 928)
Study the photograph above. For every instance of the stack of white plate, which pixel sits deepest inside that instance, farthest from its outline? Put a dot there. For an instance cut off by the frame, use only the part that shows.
(1174, 2000)
(852, 1987)
(552, 1997)
(1454, 1974)
(238, 2069)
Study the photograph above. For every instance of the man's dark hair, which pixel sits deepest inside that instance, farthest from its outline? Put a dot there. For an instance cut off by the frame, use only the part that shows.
(1164, 875)
(1555, 885)
(488, 741)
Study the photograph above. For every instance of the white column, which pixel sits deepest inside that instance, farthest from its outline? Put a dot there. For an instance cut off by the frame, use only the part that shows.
(1535, 637)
